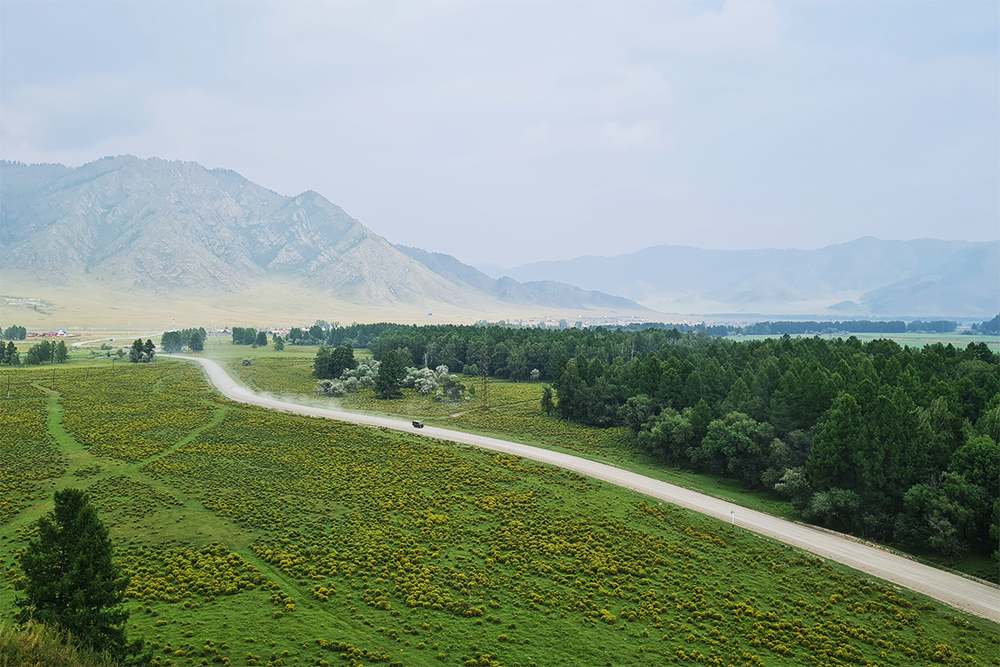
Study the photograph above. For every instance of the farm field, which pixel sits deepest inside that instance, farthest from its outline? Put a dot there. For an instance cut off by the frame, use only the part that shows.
(256, 537)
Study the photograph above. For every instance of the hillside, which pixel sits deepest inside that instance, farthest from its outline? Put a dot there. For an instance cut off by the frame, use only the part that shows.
(866, 277)
(172, 227)
(123, 229)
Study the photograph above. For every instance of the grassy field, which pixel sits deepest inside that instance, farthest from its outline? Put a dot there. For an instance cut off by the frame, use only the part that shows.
(515, 414)
(255, 537)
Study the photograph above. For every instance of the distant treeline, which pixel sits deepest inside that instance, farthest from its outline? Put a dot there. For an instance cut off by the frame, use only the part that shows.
(798, 328)
(850, 327)
(989, 327)
(193, 339)
(15, 333)
(249, 336)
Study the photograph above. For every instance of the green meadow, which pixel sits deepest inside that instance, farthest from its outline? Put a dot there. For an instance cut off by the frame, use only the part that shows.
(255, 538)
(515, 414)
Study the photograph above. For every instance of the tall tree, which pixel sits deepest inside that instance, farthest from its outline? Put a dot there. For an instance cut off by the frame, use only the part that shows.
(135, 352)
(195, 338)
(71, 580)
(171, 341)
(10, 355)
(389, 378)
(60, 353)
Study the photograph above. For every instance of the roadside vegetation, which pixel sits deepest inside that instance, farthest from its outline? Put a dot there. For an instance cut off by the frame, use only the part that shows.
(255, 537)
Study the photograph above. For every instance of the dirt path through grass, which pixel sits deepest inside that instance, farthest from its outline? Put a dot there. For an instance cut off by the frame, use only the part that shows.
(977, 597)
(79, 458)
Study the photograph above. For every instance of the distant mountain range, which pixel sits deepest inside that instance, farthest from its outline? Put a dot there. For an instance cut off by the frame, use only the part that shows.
(176, 229)
(864, 278)
(506, 289)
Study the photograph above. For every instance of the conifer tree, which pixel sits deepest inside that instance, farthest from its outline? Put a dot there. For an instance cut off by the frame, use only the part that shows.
(390, 376)
(71, 580)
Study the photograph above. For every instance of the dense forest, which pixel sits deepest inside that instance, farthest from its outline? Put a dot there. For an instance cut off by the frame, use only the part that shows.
(892, 443)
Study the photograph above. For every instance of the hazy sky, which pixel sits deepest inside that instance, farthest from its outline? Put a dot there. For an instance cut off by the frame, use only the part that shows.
(509, 132)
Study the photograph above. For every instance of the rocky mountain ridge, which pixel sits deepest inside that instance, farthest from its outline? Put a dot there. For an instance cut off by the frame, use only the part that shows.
(176, 228)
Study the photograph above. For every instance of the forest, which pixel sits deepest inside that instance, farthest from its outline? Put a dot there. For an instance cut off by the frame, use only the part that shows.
(888, 442)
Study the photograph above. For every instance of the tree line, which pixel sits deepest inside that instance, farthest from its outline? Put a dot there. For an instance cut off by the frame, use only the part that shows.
(15, 333)
(249, 336)
(174, 341)
(988, 327)
(851, 326)
(39, 353)
(893, 443)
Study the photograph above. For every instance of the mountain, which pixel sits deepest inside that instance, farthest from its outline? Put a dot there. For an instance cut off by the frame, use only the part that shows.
(176, 230)
(867, 277)
(506, 289)
(172, 227)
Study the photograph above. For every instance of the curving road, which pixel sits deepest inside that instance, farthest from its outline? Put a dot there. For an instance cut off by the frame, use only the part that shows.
(979, 598)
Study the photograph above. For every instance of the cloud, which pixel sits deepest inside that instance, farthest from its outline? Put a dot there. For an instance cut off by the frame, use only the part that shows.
(681, 122)
(77, 115)
(740, 25)
(617, 135)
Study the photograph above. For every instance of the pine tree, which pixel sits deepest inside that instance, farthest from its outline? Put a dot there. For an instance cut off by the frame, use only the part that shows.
(71, 580)
(390, 376)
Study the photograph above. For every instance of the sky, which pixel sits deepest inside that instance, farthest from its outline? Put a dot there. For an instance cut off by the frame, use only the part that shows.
(510, 132)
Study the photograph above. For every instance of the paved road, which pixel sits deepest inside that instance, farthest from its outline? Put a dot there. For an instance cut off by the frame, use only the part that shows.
(975, 597)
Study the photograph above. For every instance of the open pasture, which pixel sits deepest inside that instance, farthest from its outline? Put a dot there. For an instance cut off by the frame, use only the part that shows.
(256, 537)
(515, 414)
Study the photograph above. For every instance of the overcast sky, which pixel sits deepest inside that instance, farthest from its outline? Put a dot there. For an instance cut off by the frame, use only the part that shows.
(508, 132)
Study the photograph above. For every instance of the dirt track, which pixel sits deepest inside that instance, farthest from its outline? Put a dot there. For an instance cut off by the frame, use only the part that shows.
(978, 598)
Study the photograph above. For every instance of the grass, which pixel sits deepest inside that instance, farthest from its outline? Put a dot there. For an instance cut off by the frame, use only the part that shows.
(257, 533)
(34, 644)
(515, 414)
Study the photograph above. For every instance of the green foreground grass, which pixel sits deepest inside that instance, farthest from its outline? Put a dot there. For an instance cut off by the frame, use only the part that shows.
(255, 537)
(37, 645)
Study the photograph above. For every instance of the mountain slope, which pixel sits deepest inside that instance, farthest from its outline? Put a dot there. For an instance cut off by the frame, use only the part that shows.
(866, 277)
(171, 227)
(508, 290)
